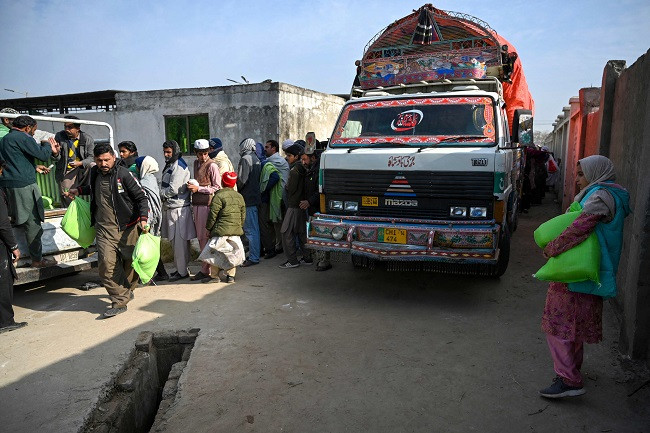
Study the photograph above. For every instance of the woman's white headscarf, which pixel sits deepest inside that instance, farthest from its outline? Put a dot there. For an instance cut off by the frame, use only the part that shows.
(598, 169)
(149, 165)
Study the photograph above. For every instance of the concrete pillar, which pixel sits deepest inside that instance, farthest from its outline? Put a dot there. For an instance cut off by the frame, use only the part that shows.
(612, 71)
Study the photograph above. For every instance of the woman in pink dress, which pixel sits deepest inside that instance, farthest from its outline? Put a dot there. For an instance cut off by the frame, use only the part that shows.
(572, 318)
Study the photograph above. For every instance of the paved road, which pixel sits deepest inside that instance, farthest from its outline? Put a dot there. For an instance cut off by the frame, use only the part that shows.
(346, 350)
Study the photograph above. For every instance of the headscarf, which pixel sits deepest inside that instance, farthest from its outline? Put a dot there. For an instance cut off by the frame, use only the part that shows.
(598, 170)
(259, 151)
(176, 151)
(146, 165)
(216, 146)
(247, 145)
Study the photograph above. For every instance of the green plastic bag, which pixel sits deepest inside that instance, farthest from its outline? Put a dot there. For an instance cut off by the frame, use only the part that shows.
(580, 263)
(146, 256)
(552, 228)
(76, 222)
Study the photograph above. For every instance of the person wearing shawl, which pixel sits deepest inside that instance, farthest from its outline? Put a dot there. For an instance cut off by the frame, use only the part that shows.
(219, 156)
(208, 181)
(177, 225)
(248, 185)
(272, 150)
(145, 169)
(571, 316)
(270, 215)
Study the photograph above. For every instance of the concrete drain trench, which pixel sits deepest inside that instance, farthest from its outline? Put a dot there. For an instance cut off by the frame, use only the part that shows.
(146, 385)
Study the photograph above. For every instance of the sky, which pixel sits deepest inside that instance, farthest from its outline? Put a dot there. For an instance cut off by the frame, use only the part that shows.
(68, 46)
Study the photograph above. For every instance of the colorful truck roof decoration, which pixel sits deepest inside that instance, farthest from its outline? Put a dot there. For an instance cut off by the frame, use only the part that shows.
(431, 44)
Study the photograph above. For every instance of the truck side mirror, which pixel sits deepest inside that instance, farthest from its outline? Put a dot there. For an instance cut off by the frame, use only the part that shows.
(522, 128)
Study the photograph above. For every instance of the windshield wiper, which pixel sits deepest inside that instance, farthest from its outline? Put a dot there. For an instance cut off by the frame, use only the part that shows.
(454, 138)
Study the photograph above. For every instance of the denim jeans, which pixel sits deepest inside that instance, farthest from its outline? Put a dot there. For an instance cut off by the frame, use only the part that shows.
(252, 232)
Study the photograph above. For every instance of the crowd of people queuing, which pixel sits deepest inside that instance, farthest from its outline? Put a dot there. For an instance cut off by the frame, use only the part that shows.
(267, 199)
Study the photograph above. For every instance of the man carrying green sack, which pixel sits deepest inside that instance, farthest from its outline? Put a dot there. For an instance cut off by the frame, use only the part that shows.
(118, 205)
(573, 311)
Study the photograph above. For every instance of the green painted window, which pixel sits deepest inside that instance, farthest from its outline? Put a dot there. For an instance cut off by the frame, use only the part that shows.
(186, 129)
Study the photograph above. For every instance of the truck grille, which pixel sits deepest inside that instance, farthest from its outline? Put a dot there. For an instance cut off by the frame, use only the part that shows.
(435, 192)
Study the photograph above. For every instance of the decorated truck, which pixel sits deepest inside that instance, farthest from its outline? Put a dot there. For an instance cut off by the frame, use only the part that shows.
(57, 245)
(423, 170)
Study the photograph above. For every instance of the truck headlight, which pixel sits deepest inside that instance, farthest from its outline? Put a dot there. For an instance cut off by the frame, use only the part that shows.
(477, 212)
(351, 206)
(458, 211)
(337, 233)
(336, 204)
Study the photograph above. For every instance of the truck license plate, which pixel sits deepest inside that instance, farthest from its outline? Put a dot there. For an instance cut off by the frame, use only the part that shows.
(68, 257)
(395, 236)
(369, 201)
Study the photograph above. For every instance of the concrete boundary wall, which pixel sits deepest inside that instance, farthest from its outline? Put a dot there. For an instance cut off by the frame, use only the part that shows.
(629, 149)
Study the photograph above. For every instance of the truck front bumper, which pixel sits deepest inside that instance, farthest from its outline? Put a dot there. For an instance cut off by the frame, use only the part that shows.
(402, 239)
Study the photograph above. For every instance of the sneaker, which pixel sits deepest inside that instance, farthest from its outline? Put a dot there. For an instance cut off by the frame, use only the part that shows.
(287, 265)
(230, 279)
(306, 262)
(176, 276)
(248, 263)
(114, 311)
(12, 327)
(559, 389)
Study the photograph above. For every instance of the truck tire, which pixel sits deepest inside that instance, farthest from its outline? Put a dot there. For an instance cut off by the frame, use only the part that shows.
(500, 267)
(513, 213)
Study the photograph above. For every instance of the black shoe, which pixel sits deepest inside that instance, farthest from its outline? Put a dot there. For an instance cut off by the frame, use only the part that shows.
(248, 263)
(270, 255)
(326, 267)
(14, 326)
(114, 311)
(230, 279)
(306, 262)
(161, 277)
(176, 276)
(199, 276)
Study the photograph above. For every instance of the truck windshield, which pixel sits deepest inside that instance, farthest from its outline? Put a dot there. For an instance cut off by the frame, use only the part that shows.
(418, 122)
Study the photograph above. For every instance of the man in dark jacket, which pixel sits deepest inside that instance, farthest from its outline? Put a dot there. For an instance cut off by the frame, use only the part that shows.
(77, 157)
(311, 201)
(248, 185)
(294, 223)
(118, 205)
(19, 149)
(8, 248)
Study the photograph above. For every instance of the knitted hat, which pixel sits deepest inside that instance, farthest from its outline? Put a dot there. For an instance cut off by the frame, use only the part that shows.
(229, 179)
(287, 144)
(215, 144)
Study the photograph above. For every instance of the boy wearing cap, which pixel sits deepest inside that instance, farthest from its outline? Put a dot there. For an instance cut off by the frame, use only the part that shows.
(226, 218)
(208, 181)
